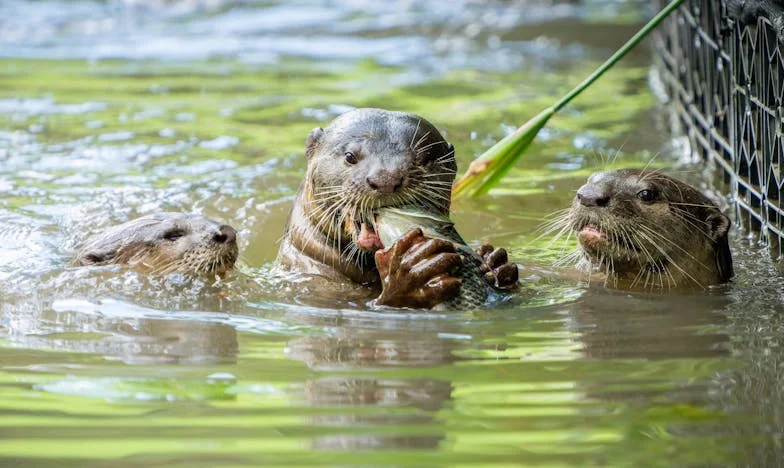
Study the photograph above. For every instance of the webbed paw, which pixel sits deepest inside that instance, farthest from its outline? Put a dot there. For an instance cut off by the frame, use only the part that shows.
(417, 271)
(499, 271)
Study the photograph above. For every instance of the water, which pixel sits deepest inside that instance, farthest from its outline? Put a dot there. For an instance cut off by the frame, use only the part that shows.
(112, 110)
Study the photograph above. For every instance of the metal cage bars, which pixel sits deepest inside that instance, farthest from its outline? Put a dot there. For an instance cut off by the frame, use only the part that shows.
(726, 84)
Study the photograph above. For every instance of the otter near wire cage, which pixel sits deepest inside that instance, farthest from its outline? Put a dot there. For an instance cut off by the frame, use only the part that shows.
(722, 65)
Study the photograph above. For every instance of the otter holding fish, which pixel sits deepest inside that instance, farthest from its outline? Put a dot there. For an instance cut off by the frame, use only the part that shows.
(646, 230)
(165, 243)
(367, 160)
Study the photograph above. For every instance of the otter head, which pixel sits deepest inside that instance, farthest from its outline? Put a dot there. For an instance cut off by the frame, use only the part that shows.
(165, 243)
(372, 158)
(646, 229)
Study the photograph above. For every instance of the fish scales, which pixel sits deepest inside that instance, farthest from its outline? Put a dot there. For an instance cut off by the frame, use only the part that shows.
(393, 223)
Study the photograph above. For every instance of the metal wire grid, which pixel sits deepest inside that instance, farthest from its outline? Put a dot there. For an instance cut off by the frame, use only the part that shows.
(727, 86)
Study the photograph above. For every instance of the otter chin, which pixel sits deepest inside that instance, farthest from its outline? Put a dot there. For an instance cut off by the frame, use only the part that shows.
(164, 243)
(646, 230)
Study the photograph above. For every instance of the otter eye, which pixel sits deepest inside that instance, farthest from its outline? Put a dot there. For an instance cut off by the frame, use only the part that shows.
(173, 234)
(351, 158)
(648, 195)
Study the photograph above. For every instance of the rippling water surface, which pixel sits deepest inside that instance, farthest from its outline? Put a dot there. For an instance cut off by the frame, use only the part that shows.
(114, 109)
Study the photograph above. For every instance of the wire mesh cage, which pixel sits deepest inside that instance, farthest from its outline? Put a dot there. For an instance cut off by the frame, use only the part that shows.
(726, 84)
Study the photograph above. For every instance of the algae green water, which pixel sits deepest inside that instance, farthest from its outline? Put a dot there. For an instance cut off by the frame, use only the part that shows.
(111, 110)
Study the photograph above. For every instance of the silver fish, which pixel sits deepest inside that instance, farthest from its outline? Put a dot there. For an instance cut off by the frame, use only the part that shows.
(393, 223)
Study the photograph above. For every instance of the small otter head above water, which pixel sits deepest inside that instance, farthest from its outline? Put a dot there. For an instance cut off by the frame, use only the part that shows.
(645, 229)
(165, 243)
(368, 159)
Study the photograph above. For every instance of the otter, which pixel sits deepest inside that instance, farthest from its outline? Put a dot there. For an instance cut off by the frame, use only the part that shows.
(368, 159)
(164, 243)
(644, 229)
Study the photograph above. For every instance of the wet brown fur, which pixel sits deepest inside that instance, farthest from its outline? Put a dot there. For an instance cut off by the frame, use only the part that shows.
(164, 243)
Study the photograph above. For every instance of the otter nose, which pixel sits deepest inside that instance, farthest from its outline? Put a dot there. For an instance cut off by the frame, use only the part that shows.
(591, 195)
(225, 235)
(385, 181)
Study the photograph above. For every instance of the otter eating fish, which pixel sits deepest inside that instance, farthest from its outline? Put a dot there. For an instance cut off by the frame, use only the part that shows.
(364, 161)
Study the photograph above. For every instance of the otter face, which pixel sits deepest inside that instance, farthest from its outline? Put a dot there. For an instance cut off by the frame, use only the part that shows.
(650, 230)
(367, 159)
(165, 243)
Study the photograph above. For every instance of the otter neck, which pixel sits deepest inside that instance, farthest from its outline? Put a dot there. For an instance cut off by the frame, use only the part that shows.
(308, 237)
(668, 273)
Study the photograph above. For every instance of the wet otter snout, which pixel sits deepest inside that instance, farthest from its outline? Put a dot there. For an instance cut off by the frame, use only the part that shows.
(225, 235)
(382, 182)
(645, 229)
(385, 181)
(591, 195)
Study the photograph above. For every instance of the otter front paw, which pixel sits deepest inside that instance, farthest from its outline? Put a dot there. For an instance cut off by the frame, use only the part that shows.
(499, 271)
(417, 271)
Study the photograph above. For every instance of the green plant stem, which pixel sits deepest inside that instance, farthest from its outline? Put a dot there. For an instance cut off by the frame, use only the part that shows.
(488, 169)
(619, 54)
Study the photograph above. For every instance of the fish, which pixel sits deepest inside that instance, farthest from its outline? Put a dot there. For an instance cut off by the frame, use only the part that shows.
(393, 223)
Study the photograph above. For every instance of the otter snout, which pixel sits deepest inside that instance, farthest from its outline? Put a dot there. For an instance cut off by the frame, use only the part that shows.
(225, 235)
(385, 181)
(591, 195)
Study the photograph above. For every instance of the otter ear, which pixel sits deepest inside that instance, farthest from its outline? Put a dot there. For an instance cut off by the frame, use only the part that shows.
(428, 156)
(719, 226)
(313, 138)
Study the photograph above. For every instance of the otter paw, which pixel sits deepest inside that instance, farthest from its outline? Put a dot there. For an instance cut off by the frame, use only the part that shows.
(499, 271)
(417, 271)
